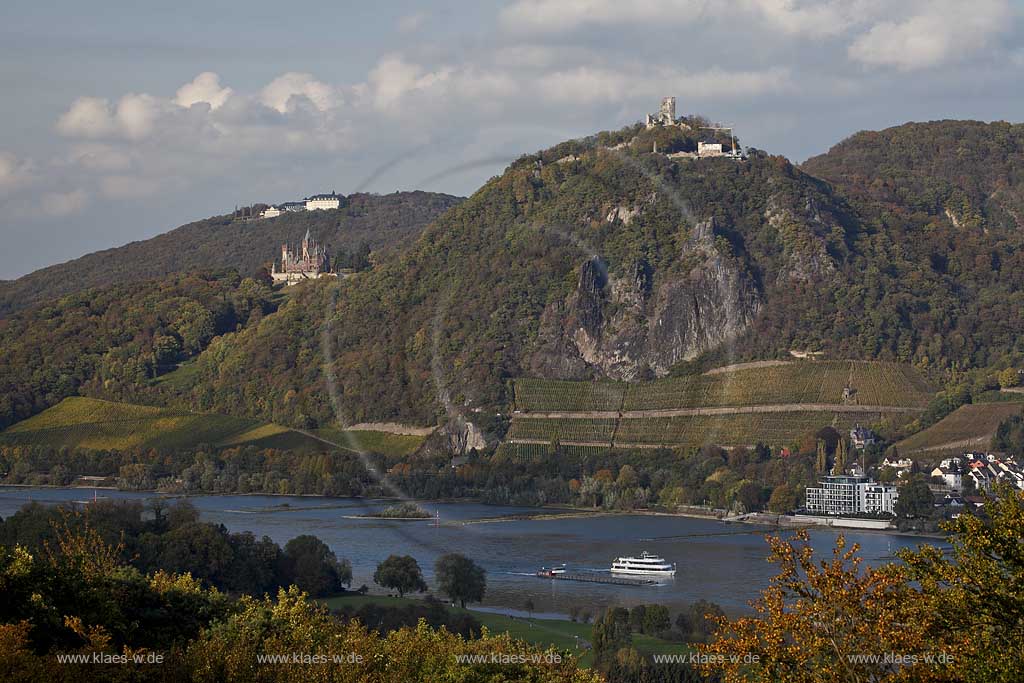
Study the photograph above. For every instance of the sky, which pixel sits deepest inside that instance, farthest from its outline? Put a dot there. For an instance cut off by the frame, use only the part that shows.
(123, 119)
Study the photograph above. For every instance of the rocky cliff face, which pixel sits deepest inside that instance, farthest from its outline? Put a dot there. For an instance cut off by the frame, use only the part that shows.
(805, 231)
(639, 323)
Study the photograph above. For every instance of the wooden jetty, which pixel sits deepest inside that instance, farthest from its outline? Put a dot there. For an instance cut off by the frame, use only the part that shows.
(593, 577)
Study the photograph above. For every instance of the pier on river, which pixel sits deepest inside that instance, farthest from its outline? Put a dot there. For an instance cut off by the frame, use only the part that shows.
(592, 577)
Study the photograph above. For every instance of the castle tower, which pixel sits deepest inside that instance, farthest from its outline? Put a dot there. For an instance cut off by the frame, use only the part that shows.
(668, 110)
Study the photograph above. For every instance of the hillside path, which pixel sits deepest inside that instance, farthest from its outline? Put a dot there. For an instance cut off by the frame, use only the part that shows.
(720, 410)
(317, 437)
(601, 444)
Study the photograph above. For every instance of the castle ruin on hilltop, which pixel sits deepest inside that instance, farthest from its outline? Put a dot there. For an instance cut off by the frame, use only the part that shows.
(666, 116)
(309, 263)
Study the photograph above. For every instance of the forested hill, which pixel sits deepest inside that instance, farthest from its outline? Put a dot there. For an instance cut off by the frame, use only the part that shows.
(966, 173)
(600, 258)
(381, 221)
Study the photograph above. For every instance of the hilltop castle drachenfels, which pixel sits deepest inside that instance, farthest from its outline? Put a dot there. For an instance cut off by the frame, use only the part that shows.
(666, 116)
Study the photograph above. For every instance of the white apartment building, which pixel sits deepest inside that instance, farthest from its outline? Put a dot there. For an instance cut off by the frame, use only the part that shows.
(850, 495)
(877, 498)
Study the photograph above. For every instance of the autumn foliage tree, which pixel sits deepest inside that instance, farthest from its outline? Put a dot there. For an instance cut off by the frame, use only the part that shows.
(930, 617)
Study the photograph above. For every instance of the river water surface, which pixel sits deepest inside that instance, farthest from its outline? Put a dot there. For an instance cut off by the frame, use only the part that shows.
(720, 562)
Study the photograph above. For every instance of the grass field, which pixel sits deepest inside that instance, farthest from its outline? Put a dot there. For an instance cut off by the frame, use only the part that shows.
(106, 425)
(384, 443)
(874, 383)
(558, 633)
(967, 427)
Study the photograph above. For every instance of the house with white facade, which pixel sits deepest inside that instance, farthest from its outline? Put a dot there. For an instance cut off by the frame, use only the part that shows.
(320, 202)
(951, 472)
(862, 437)
(902, 465)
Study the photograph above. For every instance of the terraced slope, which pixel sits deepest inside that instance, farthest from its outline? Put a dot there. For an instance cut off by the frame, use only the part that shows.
(819, 382)
(968, 427)
(774, 403)
(105, 425)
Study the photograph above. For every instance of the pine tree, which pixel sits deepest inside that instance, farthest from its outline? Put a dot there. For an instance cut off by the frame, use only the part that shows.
(822, 459)
(841, 457)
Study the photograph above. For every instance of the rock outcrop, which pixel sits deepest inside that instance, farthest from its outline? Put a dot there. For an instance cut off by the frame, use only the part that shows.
(637, 323)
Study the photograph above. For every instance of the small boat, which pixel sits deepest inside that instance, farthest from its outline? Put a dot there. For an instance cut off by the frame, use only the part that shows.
(645, 565)
(551, 572)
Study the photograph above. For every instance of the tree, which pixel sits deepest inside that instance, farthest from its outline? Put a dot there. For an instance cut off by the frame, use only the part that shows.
(529, 607)
(611, 632)
(1009, 436)
(747, 495)
(400, 572)
(915, 499)
(314, 568)
(1009, 378)
(821, 458)
(656, 620)
(887, 475)
(783, 499)
(978, 589)
(636, 618)
(818, 616)
(842, 455)
(195, 325)
(460, 578)
(698, 621)
(949, 616)
(627, 477)
(200, 548)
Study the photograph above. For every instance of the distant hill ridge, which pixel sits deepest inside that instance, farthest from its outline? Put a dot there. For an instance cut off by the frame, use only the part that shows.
(381, 221)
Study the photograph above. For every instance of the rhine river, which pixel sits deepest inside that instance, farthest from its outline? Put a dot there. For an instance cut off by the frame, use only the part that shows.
(720, 562)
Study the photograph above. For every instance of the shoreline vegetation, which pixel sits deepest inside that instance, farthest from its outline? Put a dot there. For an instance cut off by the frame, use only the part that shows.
(406, 510)
(556, 512)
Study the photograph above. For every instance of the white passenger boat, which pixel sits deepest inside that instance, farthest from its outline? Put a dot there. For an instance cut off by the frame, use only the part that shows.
(645, 565)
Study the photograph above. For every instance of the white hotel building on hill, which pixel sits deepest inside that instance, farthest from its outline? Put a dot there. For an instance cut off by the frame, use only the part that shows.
(323, 201)
(850, 495)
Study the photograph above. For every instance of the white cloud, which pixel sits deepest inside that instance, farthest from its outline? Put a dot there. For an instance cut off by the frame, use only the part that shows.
(795, 17)
(279, 93)
(137, 114)
(88, 117)
(93, 117)
(203, 88)
(128, 187)
(394, 77)
(97, 156)
(60, 204)
(15, 173)
(940, 31)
